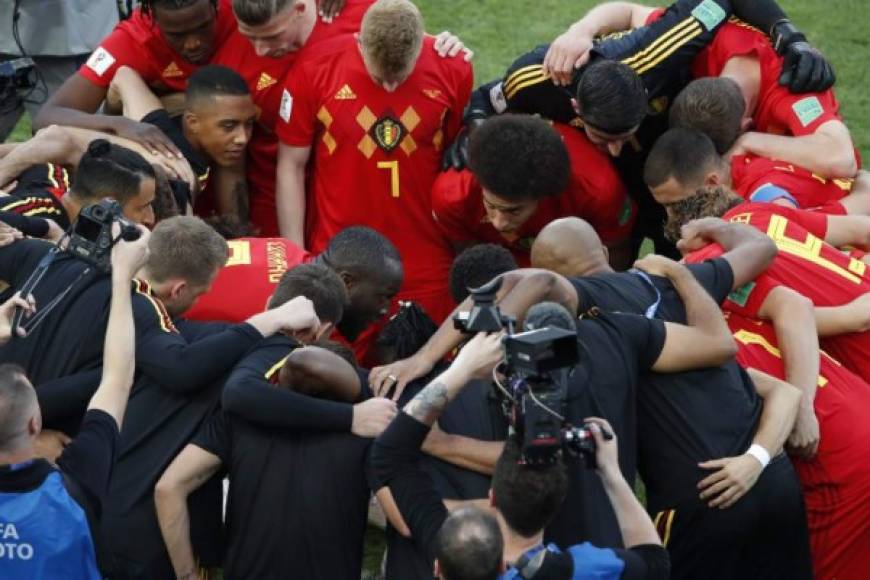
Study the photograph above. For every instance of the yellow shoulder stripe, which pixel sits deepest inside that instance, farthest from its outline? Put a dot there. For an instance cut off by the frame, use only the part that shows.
(674, 38)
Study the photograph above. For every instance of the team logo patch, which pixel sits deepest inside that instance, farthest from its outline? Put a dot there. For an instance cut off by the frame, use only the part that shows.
(497, 98)
(388, 133)
(740, 296)
(286, 106)
(345, 93)
(100, 61)
(709, 14)
(172, 71)
(265, 81)
(808, 110)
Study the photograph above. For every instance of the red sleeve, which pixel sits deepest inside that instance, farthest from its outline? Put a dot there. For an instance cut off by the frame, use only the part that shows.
(117, 50)
(463, 85)
(746, 300)
(297, 113)
(450, 194)
(802, 114)
(814, 222)
(654, 15)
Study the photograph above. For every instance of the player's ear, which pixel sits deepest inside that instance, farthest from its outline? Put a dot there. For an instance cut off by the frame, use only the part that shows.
(713, 178)
(349, 279)
(577, 109)
(300, 7)
(324, 331)
(191, 121)
(177, 288)
(745, 124)
(491, 497)
(436, 569)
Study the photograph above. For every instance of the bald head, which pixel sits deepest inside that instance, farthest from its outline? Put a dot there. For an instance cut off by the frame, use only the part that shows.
(570, 247)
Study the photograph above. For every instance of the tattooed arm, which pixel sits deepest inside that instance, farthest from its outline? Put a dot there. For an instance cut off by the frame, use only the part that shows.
(475, 360)
(405, 491)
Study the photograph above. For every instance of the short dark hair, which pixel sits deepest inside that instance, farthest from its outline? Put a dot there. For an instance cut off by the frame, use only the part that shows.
(519, 157)
(476, 266)
(362, 251)
(257, 12)
(167, 192)
(319, 284)
(406, 332)
(109, 170)
(714, 106)
(185, 247)
(527, 497)
(215, 80)
(683, 154)
(148, 6)
(16, 396)
(469, 545)
(612, 97)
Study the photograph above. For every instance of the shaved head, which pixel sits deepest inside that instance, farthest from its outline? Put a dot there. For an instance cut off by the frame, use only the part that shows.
(570, 247)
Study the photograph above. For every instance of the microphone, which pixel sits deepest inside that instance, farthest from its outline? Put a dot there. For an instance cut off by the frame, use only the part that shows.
(550, 314)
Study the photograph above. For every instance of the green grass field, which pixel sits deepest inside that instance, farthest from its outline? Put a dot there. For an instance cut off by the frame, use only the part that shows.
(498, 31)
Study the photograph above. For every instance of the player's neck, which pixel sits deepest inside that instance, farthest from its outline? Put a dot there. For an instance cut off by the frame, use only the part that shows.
(746, 72)
(191, 138)
(71, 207)
(22, 455)
(515, 545)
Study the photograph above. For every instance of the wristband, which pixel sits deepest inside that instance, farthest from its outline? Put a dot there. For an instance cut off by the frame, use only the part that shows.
(760, 453)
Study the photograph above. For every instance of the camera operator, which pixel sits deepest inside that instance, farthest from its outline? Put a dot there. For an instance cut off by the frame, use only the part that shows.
(48, 513)
(526, 496)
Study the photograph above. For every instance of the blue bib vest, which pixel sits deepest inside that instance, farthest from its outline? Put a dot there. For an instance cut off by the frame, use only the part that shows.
(44, 532)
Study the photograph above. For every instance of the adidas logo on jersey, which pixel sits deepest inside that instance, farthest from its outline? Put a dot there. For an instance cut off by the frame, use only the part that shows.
(172, 71)
(265, 81)
(432, 93)
(345, 93)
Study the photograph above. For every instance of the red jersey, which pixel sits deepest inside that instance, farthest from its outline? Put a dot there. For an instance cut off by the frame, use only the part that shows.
(836, 483)
(245, 283)
(138, 43)
(376, 154)
(265, 77)
(750, 172)
(806, 264)
(595, 193)
(778, 110)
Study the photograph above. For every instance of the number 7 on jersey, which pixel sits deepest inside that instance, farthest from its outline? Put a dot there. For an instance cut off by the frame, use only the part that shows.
(393, 166)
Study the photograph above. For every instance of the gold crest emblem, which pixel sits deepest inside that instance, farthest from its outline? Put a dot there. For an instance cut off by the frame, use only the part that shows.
(388, 133)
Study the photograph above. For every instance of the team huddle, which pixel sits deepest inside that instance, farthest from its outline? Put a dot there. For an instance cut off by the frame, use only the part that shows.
(236, 244)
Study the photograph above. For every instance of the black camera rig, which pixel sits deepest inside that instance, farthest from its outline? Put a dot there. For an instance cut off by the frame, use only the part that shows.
(537, 366)
(89, 239)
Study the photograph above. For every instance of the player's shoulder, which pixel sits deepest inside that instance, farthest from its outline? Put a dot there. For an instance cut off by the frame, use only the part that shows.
(455, 65)
(455, 193)
(327, 51)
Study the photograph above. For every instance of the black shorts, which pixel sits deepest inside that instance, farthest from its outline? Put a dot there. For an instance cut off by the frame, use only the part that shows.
(764, 535)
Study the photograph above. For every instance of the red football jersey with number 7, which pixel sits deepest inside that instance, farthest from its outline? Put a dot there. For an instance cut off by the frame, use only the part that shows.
(375, 154)
(805, 263)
